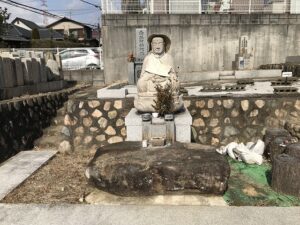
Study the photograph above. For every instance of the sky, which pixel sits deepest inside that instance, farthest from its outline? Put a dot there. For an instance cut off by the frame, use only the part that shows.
(75, 9)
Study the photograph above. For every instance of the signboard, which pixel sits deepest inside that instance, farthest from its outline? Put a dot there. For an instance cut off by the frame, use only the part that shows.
(141, 44)
(287, 74)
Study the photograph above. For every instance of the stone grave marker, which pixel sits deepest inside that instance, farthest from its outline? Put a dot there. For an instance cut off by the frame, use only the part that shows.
(43, 72)
(36, 73)
(9, 73)
(19, 72)
(27, 68)
(1, 74)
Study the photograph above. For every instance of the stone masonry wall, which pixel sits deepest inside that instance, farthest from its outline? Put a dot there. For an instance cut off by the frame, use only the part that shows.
(23, 120)
(221, 120)
(217, 121)
(89, 124)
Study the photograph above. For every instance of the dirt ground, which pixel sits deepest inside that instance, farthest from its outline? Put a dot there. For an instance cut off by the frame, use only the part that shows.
(61, 180)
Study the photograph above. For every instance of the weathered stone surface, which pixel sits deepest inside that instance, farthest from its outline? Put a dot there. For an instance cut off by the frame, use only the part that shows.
(214, 122)
(102, 122)
(187, 103)
(79, 130)
(260, 103)
(123, 131)
(200, 104)
(219, 103)
(65, 147)
(245, 105)
(127, 169)
(205, 113)
(100, 137)
(254, 113)
(210, 103)
(120, 122)
(97, 113)
(80, 105)
(88, 139)
(199, 123)
(215, 141)
(83, 113)
(118, 104)
(115, 139)
(110, 131)
(227, 120)
(107, 106)
(65, 131)
(112, 114)
(230, 131)
(94, 129)
(234, 113)
(202, 139)
(87, 122)
(281, 113)
(77, 140)
(94, 104)
(228, 103)
(297, 105)
(68, 121)
(216, 130)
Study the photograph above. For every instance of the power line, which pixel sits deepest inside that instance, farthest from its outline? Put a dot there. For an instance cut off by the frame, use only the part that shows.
(30, 8)
(97, 6)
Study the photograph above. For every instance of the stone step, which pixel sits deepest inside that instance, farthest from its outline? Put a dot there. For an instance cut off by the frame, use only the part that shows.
(14, 171)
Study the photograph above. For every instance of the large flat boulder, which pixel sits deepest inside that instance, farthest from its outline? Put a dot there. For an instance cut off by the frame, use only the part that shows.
(127, 169)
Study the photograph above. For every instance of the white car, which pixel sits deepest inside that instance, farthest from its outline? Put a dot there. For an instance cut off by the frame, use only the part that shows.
(84, 58)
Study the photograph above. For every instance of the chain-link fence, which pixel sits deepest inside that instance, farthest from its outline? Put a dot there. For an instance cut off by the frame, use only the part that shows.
(199, 6)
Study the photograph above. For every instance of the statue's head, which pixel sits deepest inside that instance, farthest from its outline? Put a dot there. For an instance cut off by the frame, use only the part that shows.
(159, 43)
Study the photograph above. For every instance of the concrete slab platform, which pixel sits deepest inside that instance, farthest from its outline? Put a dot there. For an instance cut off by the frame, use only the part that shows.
(145, 215)
(100, 197)
(16, 170)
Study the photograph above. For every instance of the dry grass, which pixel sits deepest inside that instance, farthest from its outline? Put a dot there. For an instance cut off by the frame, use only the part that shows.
(62, 180)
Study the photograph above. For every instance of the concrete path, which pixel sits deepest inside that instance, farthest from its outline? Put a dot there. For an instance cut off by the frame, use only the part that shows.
(14, 171)
(145, 215)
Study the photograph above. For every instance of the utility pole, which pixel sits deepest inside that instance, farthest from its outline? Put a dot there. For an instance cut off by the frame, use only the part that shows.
(45, 8)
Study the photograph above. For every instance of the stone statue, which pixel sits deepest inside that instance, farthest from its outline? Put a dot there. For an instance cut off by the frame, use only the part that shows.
(157, 69)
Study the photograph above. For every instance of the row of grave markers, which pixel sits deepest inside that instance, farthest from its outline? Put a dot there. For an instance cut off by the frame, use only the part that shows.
(17, 71)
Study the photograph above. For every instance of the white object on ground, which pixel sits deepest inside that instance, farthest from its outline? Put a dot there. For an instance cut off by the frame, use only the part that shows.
(251, 153)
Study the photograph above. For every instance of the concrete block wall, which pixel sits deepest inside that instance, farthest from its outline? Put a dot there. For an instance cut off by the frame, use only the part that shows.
(202, 42)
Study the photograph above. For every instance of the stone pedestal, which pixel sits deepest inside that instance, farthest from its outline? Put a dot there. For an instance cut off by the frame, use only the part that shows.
(178, 130)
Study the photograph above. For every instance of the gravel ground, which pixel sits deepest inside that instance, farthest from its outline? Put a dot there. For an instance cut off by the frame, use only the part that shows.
(62, 180)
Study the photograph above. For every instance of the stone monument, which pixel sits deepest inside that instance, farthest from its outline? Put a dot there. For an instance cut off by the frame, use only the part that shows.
(158, 69)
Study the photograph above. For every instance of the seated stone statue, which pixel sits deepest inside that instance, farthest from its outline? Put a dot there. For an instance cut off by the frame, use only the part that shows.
(157, 69)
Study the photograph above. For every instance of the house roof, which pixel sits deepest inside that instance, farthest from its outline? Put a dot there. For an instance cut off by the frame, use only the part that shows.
(65, 19)
(28, 23)
(46, 33)
(13, 34)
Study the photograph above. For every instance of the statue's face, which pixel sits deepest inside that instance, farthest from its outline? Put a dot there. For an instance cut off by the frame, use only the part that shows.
(158, 45)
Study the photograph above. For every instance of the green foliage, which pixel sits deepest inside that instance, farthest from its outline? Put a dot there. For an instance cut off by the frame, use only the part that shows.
(4, 16)
(35, 34)
(164, 102)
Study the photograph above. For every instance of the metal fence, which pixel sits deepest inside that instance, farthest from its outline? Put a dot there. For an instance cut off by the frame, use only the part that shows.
(71, 58)
(199, 6)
